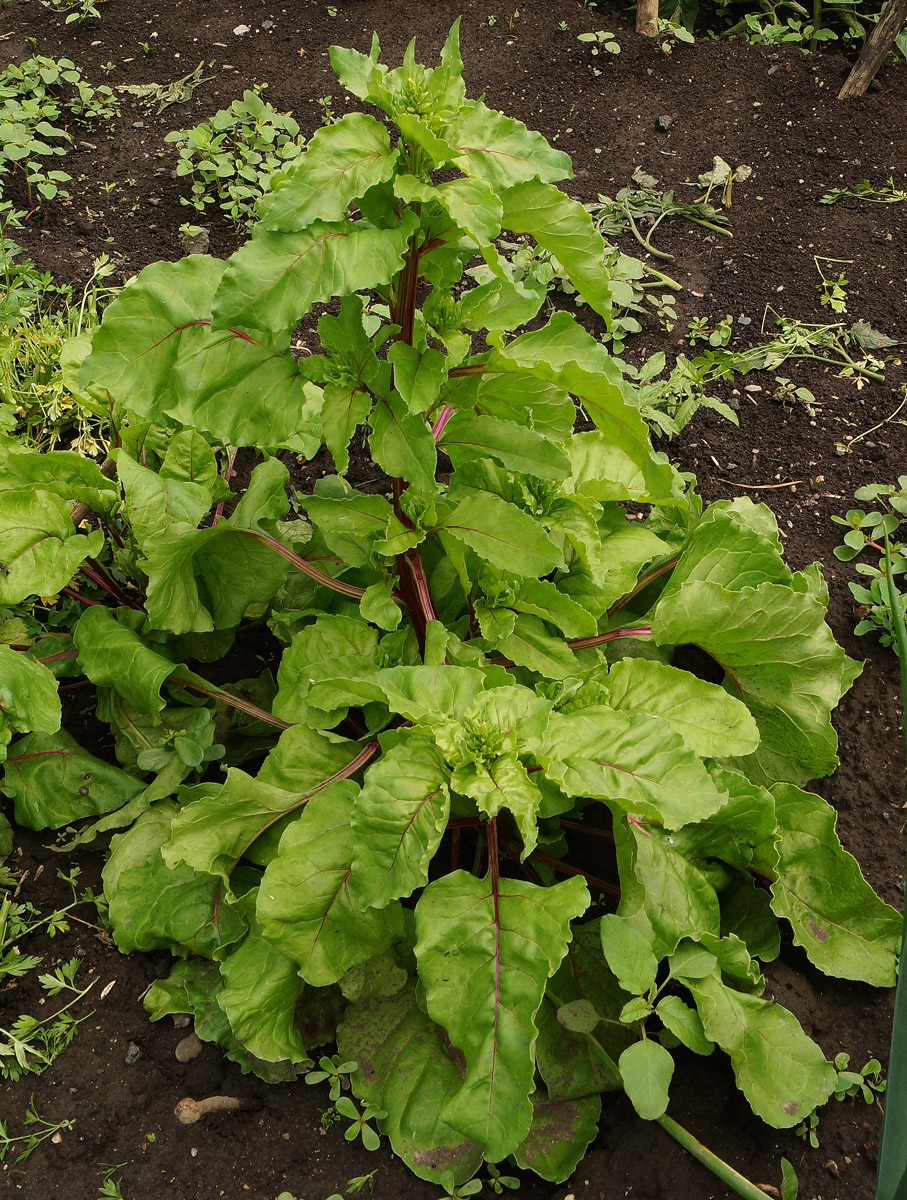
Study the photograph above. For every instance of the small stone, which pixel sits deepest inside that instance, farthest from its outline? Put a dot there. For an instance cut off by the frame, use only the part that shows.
(138, 124)
(831, 1167)
(664, 122)
(744, 320)
(181, 1020)
(242, 30)
(132, 1055)
(267, 24)
(734, 403)
(752, 387)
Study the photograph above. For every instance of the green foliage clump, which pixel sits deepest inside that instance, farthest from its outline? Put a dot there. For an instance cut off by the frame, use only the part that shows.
(232, 157)
(487, 821)
(39, 99)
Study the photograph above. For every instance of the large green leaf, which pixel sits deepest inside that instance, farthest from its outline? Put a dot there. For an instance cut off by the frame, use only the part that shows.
(398, 822)
(780, 658)
(632, 760)
(155, 501)
(331, 645)
(260, 992)
(307, 904)
(155, 908)
(112, 655)
(340, 163)
(564, 354)
(663, 896)
(40, 551)
(28, 697)
(195, 986)
(734, 543)
(780, 1070)
(211, 833)
(246, 391)
(516, 447)
(145, 329)
(563, 228)
(486, 948)
(64, 473)
(559, 1136)
(502, 534)
(273, 280)
(711, 722)
(502, 151)
(53, 781)
(836, 917)
(402, 444)
(405, 1067)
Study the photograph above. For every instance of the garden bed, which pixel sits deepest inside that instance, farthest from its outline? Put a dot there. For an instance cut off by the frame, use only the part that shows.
(773, 109)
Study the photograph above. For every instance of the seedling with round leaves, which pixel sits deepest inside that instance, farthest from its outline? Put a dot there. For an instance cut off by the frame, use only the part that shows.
(481, 670)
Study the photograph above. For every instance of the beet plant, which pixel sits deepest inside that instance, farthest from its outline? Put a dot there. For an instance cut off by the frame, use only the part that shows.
(521, 807)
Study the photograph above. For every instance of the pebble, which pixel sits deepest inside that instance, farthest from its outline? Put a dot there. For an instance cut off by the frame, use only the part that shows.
(744, 320)
(138, 124)
(132, 1055)
(752, 387)
(240, 30)
(664, 122)
(267, 24)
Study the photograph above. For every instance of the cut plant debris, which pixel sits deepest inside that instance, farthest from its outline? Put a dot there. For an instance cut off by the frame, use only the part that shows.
(518, 809)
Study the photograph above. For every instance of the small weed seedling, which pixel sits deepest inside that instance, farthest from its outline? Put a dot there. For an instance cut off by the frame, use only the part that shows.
(109, 1188)
(716, 333)
(669, 32)
(359, 1126)
(832, 290)
(601, 42)
(155, 97)
(867, 1082)
(335, 1070)
(808, 1130)
(866, 531)
(39, 1131)
(76, 10)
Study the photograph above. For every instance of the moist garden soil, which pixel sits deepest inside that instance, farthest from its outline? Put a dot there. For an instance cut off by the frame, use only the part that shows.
(773, 109)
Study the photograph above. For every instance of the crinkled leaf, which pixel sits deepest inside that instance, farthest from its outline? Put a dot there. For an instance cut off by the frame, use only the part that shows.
(502, 151)
(563, 228)
(734, 543)
(633, 760)
(307, 904)
(843, 926)
(245, 390)
(53, 781)
(273, 280)
(405, 1067)
(40, 551)
(780, 1070)
(63, 473)
(502, 534)
(113, 656)
(780, 658)
(402, 443)
(711, 722)
(145, 329)
(28, 697)
(340, 163)
(398, 822)
(559, 1135)
(203, 579)
(485, 950)
(317, 651)
(153, 907)
(261, 989)
(516, 447)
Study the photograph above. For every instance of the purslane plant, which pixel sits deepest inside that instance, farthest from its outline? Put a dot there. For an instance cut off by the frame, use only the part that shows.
(520, 808)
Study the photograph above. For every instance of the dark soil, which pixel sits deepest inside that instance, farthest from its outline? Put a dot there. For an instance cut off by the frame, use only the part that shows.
(773, 109)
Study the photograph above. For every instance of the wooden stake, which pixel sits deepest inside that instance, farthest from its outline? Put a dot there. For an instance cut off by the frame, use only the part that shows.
(646, 14)
(873, 54)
